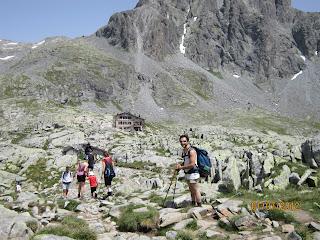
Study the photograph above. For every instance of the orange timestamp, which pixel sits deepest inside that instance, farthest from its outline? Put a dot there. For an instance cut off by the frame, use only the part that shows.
(270, 205)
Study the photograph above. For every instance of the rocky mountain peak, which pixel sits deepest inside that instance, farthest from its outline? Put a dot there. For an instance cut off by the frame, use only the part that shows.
(263, 39)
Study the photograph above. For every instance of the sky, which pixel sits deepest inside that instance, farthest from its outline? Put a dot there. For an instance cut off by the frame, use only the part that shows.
(34, 20)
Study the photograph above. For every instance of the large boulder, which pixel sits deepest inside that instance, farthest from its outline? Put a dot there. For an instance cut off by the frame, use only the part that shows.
(51, 237)
(169, 218)
(281, 181)
(16, 226)
(311, 152)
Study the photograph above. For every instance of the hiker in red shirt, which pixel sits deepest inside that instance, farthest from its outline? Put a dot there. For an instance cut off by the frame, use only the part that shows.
(108, 172)
(93, 184)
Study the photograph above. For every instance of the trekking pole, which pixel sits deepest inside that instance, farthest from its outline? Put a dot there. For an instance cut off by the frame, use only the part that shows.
(174, 191)
(174, 174)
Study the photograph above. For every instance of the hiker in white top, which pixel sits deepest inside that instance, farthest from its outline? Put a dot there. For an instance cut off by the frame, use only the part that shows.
(18, 187)
(190, 168)
(66, 179)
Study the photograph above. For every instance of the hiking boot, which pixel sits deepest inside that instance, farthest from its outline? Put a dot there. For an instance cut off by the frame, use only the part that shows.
(78, 195)
(199, 204)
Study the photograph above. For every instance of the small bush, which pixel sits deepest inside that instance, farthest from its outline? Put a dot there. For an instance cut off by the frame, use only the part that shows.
(71, 206)
(279, 215)
(46, 145)
(131, 221)
(71, 227)
(33, 225)
(19, 137)
(303, 232)
(40, 176)
(192, 225)
(164, 230)
(228, 227)
(184, 235)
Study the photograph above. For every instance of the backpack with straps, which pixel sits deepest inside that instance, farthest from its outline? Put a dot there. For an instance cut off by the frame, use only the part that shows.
(109, 171)
(203, 162)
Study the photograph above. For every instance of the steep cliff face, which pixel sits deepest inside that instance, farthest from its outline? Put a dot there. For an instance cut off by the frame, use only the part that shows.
(260, 38)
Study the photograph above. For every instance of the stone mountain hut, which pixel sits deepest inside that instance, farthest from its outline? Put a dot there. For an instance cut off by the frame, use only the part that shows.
(129, 122)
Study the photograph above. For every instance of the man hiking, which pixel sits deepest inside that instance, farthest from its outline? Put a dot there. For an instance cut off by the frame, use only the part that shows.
(91, 161)
(191, 170)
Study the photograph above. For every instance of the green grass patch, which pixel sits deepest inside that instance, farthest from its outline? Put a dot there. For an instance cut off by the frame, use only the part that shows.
(117, 105)
(262, 121)
(161, 151)
(130, 221)
(46, 145)
(198, 83)
(294, 167)
(185, 235)
(280, 215)
(192, 225)
(216, 74)
(71, 227)
(99, 103)
(140, 165)
(71, 206)
(303, 231)
(306, 198)
(19, 137)
(164, 230)
(40, 176)
(231, 227)
(155, 198)
(135, 165)
(33, 225)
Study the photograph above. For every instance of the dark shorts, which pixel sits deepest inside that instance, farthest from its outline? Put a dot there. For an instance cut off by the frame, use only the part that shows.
(107, 180)
(93, 189)
(81, 178)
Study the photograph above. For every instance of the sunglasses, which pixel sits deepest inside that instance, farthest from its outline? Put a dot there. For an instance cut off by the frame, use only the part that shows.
(183, 141)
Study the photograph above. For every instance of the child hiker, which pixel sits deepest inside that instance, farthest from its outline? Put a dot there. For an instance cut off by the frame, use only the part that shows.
(18, 186)
(66, 179)
(93, 184)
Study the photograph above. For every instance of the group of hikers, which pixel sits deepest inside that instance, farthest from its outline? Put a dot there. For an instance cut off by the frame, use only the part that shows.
(196, 164)
(84, 171)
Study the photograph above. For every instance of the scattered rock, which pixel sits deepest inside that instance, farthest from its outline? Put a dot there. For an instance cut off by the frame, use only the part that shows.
(294, 236)
(171, 234)
(304, 177)
(314, 226)
(294, 178)
(171, 218)
(181, 225)
(287, 228)
(51, 237)
(312, 181)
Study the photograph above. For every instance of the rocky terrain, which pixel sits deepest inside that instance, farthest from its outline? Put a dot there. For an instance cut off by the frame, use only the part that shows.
(276, 159)
(240, 77)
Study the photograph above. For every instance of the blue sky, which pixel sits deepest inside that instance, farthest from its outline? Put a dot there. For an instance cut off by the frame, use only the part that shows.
(34, 20)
